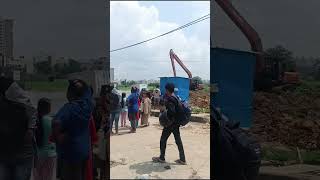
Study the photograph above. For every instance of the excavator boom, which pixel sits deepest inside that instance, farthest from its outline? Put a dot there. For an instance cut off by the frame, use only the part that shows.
(247, 30)
(173, 57)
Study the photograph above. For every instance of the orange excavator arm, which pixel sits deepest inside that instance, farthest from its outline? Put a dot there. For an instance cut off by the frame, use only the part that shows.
(246, 29)
(173, 57)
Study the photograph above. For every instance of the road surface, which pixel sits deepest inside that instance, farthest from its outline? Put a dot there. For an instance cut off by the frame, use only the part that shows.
(131, 153)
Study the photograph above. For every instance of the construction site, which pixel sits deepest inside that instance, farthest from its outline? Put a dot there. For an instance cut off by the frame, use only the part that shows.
(271, 98)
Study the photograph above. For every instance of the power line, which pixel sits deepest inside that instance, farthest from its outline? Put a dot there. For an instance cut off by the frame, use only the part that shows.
(179, 28)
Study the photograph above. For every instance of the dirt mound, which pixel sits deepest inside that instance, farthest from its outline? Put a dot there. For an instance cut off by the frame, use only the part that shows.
(288, 117)
(200, 99)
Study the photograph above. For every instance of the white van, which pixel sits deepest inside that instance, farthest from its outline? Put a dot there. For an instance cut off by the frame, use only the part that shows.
(143, 86)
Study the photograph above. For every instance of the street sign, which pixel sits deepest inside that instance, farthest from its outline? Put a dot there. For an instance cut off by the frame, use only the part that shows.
(16, 75)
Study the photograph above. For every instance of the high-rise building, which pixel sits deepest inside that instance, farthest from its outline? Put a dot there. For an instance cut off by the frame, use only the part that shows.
(6, 38)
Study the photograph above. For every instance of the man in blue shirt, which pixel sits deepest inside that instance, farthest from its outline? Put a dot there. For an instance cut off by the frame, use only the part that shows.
(71, 131)
(133, 108)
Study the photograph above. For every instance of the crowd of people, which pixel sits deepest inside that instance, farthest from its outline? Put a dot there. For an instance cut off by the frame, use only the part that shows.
(135, 107)
(58, 146)
(61, 145)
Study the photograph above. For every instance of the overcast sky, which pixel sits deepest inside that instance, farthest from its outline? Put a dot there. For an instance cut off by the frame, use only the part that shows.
(295, 24)
(134, 21)
(77, 28)
(70, 28)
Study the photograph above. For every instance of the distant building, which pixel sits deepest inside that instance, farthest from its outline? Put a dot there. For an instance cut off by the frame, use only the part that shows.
(6, 39)
(111, 75)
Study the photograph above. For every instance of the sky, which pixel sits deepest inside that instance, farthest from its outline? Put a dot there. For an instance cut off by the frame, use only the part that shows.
(77, 28)
(133, 21)
(69, 28)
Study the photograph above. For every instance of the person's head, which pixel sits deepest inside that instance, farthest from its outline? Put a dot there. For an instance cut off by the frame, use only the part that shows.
(5, 83)
(134, 89)
(124, 95)
(169, 88)
(44, 106)
(76, 89)
(144, 94)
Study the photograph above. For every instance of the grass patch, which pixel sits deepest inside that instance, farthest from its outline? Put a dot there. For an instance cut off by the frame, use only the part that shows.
(311, 157)
(128, 88)
(285, 155)
(124, 88)
(278, 155)
(206, 88)
(307, 86)
(59, 85)
(197, 110)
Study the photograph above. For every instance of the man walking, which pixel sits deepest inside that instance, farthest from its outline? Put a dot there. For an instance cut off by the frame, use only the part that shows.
(172, 125)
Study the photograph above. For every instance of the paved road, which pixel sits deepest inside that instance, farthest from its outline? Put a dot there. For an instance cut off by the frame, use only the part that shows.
(131, 153)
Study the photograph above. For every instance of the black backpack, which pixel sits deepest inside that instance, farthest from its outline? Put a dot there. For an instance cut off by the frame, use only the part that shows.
(183, 112)
(236, 155)
(13, 125)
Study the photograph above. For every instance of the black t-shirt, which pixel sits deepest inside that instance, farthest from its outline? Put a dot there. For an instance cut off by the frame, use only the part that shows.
(171, 103)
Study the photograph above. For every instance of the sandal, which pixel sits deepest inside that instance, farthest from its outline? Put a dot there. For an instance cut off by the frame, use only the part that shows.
(158, 160)
(180, 162)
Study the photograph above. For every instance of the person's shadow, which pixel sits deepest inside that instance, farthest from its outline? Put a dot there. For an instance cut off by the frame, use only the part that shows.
(150, 166)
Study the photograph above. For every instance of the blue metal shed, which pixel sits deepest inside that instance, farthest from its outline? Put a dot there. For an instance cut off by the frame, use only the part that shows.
(232, 72)
(183, 85)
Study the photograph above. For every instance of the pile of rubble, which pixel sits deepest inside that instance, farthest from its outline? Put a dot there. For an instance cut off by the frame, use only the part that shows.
(288, 117)
(199, 99)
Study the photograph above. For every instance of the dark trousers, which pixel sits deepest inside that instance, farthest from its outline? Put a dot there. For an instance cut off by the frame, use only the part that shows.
(166, 132)
(16, 171)
(73, 171)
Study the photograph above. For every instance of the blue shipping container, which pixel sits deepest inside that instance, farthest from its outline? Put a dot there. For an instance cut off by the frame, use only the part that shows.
(183, 85)
(233, 73)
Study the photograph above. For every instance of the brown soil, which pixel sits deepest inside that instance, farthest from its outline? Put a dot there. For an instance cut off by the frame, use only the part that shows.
(199, 99)
(289, 118)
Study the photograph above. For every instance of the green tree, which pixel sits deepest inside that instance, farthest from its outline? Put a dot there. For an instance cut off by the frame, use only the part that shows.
(43, 67)
(317, 69)
(73, 66)
(197, 79)
(130, 83)
(281, 55)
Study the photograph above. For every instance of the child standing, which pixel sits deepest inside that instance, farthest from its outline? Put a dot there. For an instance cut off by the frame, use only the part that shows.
(46, 160)
(146, 109)
(124, 110)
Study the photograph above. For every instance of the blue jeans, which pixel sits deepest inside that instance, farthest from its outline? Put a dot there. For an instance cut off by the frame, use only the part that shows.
(114, 117)
(16, 171)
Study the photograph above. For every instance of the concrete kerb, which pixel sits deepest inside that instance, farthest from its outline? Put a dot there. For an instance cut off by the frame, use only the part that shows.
(201, 118)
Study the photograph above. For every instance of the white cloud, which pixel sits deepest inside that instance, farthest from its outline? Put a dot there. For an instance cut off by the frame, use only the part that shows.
(131, 23)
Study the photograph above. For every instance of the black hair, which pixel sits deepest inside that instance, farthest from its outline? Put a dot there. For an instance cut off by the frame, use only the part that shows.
(133, 89)
(44, 106)
(5, 83)
(122, 100)
(77, 88)
(170, 87)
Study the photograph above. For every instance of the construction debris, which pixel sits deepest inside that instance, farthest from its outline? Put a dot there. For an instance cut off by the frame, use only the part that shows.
(288, 116)
(199, 99)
